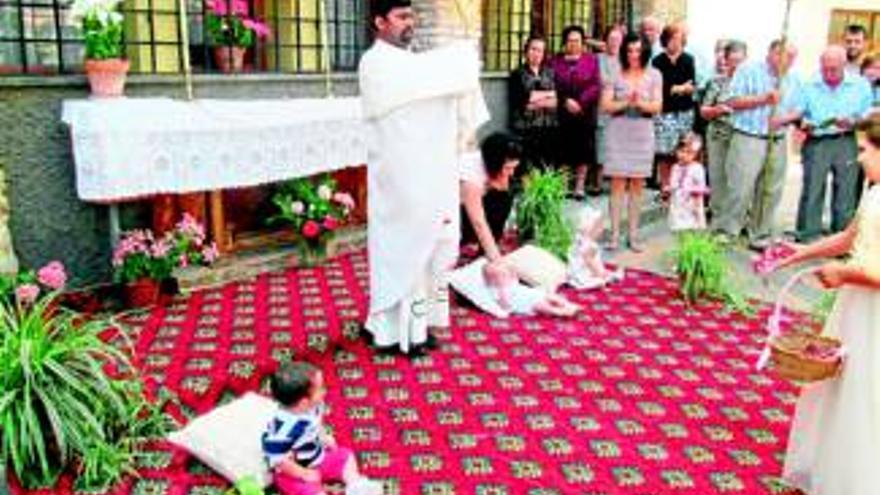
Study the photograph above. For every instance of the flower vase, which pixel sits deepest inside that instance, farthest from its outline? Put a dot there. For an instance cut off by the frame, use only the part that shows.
(107, 77)
(142, 293)
(229, 58)
(311, 252)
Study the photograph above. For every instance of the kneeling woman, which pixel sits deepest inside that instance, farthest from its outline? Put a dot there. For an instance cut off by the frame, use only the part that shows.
(486, 197)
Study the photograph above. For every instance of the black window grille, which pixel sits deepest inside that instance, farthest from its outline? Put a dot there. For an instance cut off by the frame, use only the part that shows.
(39, 36)
(507, 24)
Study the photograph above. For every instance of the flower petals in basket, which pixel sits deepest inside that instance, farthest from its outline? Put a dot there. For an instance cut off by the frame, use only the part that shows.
(806, 357)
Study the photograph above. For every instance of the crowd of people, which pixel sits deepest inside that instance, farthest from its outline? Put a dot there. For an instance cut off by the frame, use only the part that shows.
(621, 113)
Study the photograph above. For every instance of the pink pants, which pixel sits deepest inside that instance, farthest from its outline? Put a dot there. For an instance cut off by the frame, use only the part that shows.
(331, 469)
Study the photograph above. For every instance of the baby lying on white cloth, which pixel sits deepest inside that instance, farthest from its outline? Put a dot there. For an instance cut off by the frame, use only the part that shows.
(495, 289)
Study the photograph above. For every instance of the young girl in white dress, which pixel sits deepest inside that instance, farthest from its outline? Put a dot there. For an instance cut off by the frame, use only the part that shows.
(687, 187)
(834, 446)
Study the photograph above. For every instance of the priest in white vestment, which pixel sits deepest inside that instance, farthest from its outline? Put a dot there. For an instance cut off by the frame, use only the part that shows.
(421, 110)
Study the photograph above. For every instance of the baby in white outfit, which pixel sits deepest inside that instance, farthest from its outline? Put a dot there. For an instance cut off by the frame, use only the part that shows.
(586, 270)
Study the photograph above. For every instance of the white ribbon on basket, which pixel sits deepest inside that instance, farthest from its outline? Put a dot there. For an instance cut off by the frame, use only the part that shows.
(774, 323)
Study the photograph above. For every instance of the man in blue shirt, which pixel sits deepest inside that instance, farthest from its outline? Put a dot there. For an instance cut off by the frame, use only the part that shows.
(755, 190)
(828, 108)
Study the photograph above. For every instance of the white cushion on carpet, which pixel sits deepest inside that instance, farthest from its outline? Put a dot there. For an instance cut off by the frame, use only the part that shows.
(537, 267)
(469, 282)
(228, 439)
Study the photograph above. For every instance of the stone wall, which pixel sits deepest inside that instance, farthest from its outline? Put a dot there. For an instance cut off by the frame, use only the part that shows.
(47, 220)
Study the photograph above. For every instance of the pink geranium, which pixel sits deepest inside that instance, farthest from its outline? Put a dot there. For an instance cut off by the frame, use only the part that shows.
(259, 28)
(53, 275)
(210, 253)
(27, 293)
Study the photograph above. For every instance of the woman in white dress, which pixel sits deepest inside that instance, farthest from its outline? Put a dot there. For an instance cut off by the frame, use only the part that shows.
(834, 447)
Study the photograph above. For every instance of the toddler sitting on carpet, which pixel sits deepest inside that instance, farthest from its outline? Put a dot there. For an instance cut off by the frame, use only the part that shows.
(299, 451)
(586, 270)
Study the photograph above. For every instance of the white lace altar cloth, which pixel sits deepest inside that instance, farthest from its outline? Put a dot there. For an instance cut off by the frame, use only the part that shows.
(132, 147)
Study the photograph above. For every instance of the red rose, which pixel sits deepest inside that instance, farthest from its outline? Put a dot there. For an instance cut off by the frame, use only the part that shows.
(330, 223)
(311, 229)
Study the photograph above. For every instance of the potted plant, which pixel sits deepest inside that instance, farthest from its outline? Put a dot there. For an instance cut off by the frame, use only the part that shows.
(704, 272)
(142, 261)
(62, 407)
(540, 212)
(231, 32)
(315, 209)
(102, 32)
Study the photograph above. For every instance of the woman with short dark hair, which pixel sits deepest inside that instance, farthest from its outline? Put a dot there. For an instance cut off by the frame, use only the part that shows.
(486, 198)
(533, 103)
(679, 78)
(632, 100)
(578, 86)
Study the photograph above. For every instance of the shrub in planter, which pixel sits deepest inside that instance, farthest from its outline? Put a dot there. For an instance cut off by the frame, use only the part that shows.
(60, 408)
(143, 262)
(704, 272)
(540, 212)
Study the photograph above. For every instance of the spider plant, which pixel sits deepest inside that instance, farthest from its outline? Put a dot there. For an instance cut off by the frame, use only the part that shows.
(540, 212)
(59, 406)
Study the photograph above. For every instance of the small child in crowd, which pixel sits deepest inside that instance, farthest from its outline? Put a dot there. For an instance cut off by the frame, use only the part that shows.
(517, 298)
(586, 270)
(301, 454)
(687, 187)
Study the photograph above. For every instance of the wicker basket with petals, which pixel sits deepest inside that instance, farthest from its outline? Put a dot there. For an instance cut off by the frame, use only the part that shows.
(797, 355)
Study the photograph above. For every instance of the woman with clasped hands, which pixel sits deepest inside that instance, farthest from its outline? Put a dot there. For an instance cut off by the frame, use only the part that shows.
(632, 100)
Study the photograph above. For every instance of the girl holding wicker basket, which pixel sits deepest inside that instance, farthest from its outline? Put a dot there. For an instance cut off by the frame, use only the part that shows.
(834, 446)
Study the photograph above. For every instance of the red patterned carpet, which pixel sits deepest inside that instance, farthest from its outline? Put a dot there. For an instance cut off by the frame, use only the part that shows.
(637, 396)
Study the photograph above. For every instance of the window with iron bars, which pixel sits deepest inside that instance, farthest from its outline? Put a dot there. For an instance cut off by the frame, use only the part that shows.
(507, 25)
(39, 36)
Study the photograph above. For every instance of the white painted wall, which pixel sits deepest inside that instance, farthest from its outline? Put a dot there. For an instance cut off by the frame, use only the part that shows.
(759, 21)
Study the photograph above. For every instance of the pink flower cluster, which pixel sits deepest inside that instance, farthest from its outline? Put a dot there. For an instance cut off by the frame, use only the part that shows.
(238, 8)
(227, 7)
(189, 236)
(133, 242)
(27, 293)
(769, 259)
(53, 275)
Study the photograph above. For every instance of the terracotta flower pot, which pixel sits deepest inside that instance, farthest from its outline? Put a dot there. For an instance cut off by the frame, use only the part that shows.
(229, 58)
(107, 77)
(142, 293)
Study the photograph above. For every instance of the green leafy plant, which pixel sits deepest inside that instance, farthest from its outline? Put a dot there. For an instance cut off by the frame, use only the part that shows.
(704, 272)
(540, 212)
(101, 27)
(227, 24)
(60, 408)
